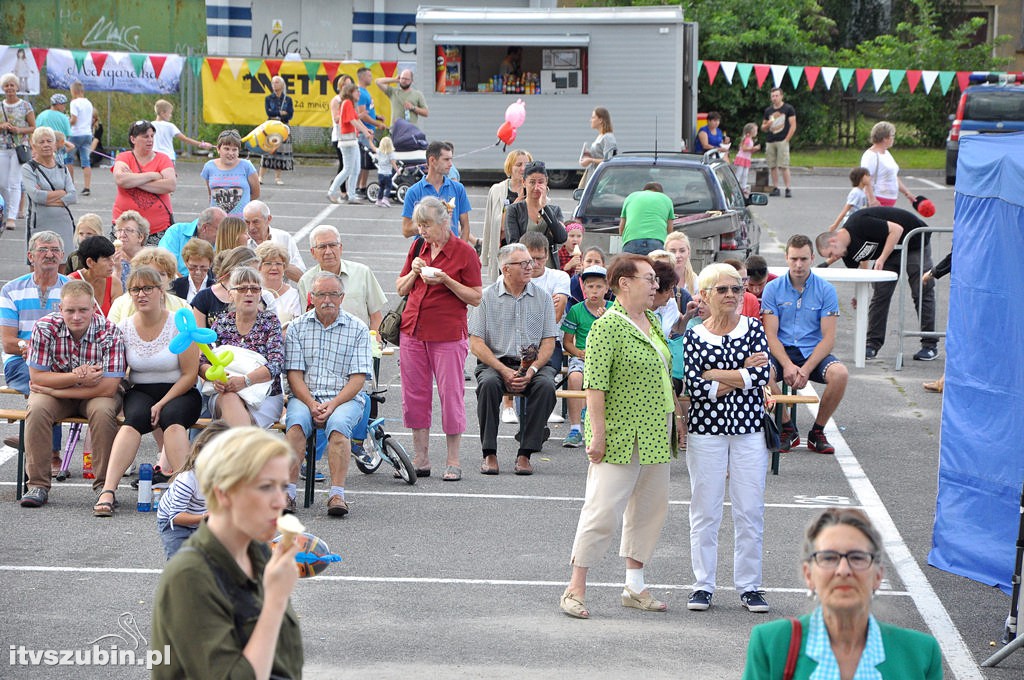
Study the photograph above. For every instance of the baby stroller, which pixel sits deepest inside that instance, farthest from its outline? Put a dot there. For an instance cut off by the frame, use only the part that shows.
(412, 165)
(410, 153)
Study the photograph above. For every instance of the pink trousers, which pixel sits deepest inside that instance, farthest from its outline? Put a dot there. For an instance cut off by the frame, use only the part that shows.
(424, 363)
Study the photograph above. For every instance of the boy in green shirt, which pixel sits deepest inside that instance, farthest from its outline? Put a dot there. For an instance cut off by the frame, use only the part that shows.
(576, 325)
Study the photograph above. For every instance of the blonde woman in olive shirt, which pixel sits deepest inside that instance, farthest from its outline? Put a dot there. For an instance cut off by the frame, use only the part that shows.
(629, 404)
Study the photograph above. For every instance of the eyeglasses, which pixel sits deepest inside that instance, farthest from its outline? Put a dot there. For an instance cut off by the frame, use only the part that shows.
(248, 290)
(272, 264)
(143, 290)
(722, 290)
(125, 232)
(859, 560)
(653, 280)
(326, 246)
(198, 268)
(525, 264)
(329, 294)
(44, 249)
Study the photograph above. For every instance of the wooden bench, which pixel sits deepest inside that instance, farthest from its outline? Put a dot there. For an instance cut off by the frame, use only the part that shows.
(781, 402)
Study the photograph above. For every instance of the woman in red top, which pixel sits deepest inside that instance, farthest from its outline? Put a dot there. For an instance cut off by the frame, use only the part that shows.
(96, 253)
(349, 128)
(145, 180)
(441, 276)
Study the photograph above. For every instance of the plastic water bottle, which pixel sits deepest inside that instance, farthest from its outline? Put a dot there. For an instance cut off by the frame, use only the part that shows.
(145, 488)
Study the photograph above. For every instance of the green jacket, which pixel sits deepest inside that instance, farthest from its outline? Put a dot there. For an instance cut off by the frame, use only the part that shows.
(195, 618)
(909, 654)
(623, 363)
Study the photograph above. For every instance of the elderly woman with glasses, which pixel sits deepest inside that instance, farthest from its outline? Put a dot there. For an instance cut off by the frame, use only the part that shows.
(273, 261)
(726, 369)
(842, 567)
(130, 233)
(162, 385)
(441, 276)
(246, 324)
(629, 410)
(198, 257)
(231, 181)
(536, 213)
(211, 302)
(145, 180)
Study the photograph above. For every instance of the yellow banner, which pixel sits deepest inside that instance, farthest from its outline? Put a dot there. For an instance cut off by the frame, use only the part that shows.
(234, 89)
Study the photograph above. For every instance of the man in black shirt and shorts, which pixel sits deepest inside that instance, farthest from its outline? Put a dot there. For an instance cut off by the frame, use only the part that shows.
(779, 126)
(873, 234)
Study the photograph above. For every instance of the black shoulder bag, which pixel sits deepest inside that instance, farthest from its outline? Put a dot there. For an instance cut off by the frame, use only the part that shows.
(391, 324)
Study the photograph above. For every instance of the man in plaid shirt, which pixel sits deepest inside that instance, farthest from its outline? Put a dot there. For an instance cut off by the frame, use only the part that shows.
(76, 362)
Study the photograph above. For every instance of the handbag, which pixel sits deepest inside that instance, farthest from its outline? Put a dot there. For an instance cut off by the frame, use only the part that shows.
(795, 639)
(244, 362)
(347, 139)
(391, 324)
(772, 438)
(21, 150)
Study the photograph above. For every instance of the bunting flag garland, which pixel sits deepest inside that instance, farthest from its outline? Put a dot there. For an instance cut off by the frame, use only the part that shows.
(196, 64)
(273, 66)
(158, 61)
(312, 68)
(216, 64)
(39, 54)
(331, 69)
(828, 76)
(711, 67)
(235, 65)
(137, 61)
(728, 70)
(878, 77)
(98, 60)
(254, 66)
(847, 76)
(79, 57)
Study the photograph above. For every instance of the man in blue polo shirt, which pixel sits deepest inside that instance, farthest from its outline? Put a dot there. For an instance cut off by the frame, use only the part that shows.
(204, 227)
(799, 313)
(437, 183)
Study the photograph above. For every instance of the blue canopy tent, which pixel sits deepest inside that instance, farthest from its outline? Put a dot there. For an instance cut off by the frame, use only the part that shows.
(981, 465)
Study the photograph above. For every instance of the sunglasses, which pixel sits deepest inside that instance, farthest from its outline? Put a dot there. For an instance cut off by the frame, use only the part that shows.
(722, 290)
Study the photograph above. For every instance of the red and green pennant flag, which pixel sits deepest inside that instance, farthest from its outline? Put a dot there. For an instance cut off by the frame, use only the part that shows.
(331, 69)
(98, 60)
(79, 57)
(895, 78)
(794, 77)
(862, 77)
(254, 66)
(158, 61)
(945, 80)
(761, 72)
(711, 67)
(138, 61)
(273, 66)
(963, 79)
(845, 76)
(216, 64)
(312, 68)
(812, 75)
(39, 54)
(913, 79)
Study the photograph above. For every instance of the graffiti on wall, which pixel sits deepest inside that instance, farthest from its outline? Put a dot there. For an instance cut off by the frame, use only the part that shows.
(276, 44)
(105, 33)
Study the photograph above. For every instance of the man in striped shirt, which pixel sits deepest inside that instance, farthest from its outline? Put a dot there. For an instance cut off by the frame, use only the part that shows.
(23, 301)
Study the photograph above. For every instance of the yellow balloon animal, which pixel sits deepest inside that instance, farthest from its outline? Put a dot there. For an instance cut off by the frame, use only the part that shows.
(266, 137)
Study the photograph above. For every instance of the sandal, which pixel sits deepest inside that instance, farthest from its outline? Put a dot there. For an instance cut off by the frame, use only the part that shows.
(453, 473)
(572, 605)
(104, 508)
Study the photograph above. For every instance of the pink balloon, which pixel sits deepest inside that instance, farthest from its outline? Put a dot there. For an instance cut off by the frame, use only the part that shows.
(515, 114)
(507, 133)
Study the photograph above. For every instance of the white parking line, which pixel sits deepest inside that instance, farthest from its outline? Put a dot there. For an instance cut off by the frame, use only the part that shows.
(316, 221)
(934, 185)
(934, 614)
(323, 578)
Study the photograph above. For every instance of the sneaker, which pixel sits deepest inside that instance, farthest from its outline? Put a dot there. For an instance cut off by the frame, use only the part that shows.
(870, 352)
(817, 442)
(379, 203)
(573, 440)
(159, 477)
(556, 417)
(926, 354)
(35, 498)
(86, 192)
(385, 202)
(788, 438)
(318, 478)
(699, 601)
(333, 198)
(754, 601)
(789, 194)
(355, 199)
(508, 415)
(364, 454)
(774, 192)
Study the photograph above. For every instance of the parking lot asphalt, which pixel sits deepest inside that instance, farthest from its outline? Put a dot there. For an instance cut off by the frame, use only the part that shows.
(461, 580)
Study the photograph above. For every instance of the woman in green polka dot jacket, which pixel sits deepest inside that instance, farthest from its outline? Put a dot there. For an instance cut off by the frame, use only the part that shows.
(629, 409)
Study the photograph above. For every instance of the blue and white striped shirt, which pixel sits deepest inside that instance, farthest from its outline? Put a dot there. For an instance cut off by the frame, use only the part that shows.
(21, 307)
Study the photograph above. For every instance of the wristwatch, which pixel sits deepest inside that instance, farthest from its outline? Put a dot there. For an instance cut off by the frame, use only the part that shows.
(248, 382)
(534, 369)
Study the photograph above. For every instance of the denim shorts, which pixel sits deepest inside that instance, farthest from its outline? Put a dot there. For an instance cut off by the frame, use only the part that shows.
(797, 357)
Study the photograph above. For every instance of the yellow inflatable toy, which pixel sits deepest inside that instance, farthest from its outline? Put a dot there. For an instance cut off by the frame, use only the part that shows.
(266, 137)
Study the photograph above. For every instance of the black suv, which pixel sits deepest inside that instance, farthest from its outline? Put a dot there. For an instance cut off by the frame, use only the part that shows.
(707, 197)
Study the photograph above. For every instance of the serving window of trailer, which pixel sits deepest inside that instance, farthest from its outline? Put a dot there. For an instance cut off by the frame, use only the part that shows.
(511, 64)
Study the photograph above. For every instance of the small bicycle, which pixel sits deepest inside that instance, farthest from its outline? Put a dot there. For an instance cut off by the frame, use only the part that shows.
(380, 446)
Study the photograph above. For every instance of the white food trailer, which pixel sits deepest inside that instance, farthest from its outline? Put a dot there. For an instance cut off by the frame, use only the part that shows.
(638, 62)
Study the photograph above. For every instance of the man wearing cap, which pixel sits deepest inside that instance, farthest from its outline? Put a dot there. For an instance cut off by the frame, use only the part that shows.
(873, 234)
(57, 120)
(576, 326)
